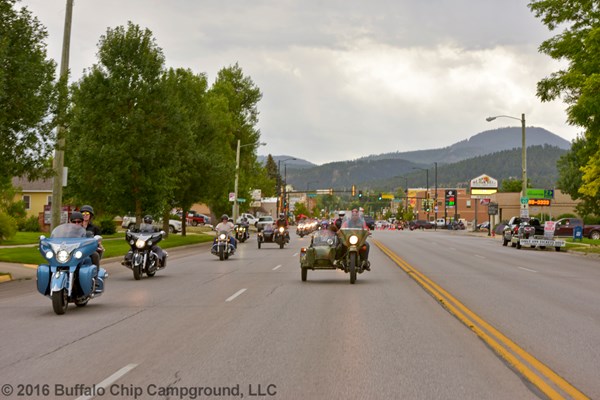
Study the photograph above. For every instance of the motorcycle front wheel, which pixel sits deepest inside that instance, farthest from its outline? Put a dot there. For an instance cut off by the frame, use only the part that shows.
(137, 272)
(352, 267)
(60, 301)
(221, 253)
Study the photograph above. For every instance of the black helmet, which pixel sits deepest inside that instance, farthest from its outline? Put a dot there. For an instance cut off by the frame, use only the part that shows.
(87, 208)
(76, 215)
(224, 216)
(148, 219)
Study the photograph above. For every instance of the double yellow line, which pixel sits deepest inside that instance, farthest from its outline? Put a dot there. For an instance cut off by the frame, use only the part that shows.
(524, 363)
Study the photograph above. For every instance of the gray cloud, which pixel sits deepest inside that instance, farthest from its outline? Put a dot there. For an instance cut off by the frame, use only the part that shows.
(344, 79)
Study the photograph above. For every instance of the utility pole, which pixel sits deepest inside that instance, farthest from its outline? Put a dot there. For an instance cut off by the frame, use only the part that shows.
(59, 155)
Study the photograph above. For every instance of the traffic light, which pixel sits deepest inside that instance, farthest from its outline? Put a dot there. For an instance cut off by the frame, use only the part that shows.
(353, 190)
(450, 198)
(360, 194)
(379, 197)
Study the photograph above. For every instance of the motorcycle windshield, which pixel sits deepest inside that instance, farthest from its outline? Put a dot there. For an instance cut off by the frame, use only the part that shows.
(353, 221)
(68, 231)
(323, 238)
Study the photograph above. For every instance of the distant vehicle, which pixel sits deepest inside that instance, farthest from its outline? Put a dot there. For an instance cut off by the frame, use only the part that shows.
(484, 226)
(512, 229)
(195, 219)
(251, 218)
(174, 225)
(440, 222)
(565, 227)
(262, 221)
(420, 224)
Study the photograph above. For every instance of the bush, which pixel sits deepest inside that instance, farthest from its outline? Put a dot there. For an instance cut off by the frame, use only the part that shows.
(30, 224)
(8, 226)
(107, 226)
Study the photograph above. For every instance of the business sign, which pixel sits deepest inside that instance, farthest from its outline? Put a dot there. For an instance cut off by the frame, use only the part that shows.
(540, 193)
(539, 202)
(484, 182)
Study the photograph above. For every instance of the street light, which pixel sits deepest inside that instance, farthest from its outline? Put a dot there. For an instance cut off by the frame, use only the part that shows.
(427, 192)
(523, 157)
(236, 206)
(279, 193)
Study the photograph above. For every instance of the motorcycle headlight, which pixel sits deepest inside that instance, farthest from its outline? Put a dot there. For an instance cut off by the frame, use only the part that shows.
(49, 255)
(281, 229)
(78, 254)
(131, 242)
(353, 239)
(222, 236)
(140, 244)
(62, 256)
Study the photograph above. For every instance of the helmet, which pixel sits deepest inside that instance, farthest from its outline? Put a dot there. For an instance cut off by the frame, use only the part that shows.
(76, 215)
(281, 215)
(87, 208)
(342, 213)
(224, 216)
(148, 219)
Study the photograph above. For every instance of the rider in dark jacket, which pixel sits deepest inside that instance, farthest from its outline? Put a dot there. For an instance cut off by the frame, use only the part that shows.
(282, 221)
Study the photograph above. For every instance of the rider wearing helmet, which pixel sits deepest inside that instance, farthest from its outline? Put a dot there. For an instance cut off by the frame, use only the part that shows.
(340, 219)
(226, 225)
(88, 214)
(148, 226)
(78, 218)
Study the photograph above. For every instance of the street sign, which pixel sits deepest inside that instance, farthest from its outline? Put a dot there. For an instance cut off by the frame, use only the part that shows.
(231, 196)
(492, 208)
(524, 200)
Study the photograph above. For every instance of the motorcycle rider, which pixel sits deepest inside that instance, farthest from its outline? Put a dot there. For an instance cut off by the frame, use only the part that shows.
(147, 227)
(226, 225)
(77, 218)
(282, 221)
(244, 223)
(340, 219)
(88, 214)
(356, 222)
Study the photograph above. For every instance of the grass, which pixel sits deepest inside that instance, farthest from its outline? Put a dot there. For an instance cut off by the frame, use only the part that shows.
(114, 245)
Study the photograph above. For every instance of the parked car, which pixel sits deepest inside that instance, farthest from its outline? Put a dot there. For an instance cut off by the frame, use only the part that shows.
(420, 224)
(195, 219)
(174, 225)
(565, 227)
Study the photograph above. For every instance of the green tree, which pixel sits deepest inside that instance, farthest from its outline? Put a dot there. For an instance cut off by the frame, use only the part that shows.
(578, 85)
(27, 94)
(116, 145)
(236, 97)
(511, 185)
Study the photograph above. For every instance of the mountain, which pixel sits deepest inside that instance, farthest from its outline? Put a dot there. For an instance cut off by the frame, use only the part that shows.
(495, 152)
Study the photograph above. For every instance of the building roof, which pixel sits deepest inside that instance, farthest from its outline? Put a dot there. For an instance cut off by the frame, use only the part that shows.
(38, 185)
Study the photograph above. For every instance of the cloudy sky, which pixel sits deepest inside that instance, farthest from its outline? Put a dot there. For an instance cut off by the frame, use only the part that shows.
(342, 79)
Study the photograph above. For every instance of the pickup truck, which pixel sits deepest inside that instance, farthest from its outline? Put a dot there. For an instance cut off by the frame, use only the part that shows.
(512, 229)
(174, 225)
(532, 233)
(564, 228)
(262, 221)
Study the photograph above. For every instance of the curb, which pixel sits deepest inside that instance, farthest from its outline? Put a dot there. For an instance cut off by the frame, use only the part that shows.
(5, 278)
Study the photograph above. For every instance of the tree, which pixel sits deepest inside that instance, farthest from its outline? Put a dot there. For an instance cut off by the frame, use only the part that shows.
(578, 85)
(236, 97)
(511, 185)
(27, 94)
(116, 145)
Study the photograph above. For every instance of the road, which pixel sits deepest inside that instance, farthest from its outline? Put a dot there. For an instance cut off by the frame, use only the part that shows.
(248, 326)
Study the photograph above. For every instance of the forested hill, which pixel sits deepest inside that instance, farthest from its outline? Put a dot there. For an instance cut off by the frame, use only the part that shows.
(389, 174)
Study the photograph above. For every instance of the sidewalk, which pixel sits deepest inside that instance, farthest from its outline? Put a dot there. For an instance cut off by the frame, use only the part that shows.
(17, 271)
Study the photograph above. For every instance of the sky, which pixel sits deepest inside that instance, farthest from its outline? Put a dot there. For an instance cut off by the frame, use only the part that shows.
(344, 79)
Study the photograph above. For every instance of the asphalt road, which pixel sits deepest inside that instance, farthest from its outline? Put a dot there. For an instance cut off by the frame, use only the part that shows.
(249, 327)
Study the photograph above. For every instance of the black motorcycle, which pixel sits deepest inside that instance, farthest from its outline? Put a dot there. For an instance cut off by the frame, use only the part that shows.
(241, 232)
(142, 258)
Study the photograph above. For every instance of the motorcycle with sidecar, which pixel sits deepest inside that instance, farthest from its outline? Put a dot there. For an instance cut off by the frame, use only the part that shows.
(343, 250)
(271, 234)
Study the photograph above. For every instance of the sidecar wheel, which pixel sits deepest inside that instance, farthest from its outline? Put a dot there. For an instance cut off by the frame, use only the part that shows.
(60, 301)
(281, 245)
(137, 272)
(304, 274)
(352, 268)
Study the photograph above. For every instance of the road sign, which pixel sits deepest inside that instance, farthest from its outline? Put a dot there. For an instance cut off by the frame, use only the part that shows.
(524, 200)
(231, 196)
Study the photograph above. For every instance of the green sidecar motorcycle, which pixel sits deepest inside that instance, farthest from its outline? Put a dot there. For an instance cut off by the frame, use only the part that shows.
(325, 246)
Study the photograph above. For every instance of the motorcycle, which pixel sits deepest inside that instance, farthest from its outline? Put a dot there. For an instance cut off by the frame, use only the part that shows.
(281, 236)
(330, 251)
(69, 276)
(222, 246)
(142, 258)
(241, 233)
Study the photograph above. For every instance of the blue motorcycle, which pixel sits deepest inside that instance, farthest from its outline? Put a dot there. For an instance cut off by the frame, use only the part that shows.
(69, 276)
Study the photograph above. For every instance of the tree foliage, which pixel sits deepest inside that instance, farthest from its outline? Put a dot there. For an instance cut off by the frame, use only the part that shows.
(578, 85)
(27, 94)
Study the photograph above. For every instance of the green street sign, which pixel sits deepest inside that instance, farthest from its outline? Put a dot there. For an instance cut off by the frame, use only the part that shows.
(524, 200)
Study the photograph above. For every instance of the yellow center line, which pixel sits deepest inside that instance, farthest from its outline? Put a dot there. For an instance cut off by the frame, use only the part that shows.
(474, 322)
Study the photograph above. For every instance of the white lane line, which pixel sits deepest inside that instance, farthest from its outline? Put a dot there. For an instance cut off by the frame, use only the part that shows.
(277, 267)
(478, 256)
(527, 269)
(295, 255)
(236, 294)
(110, 380)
